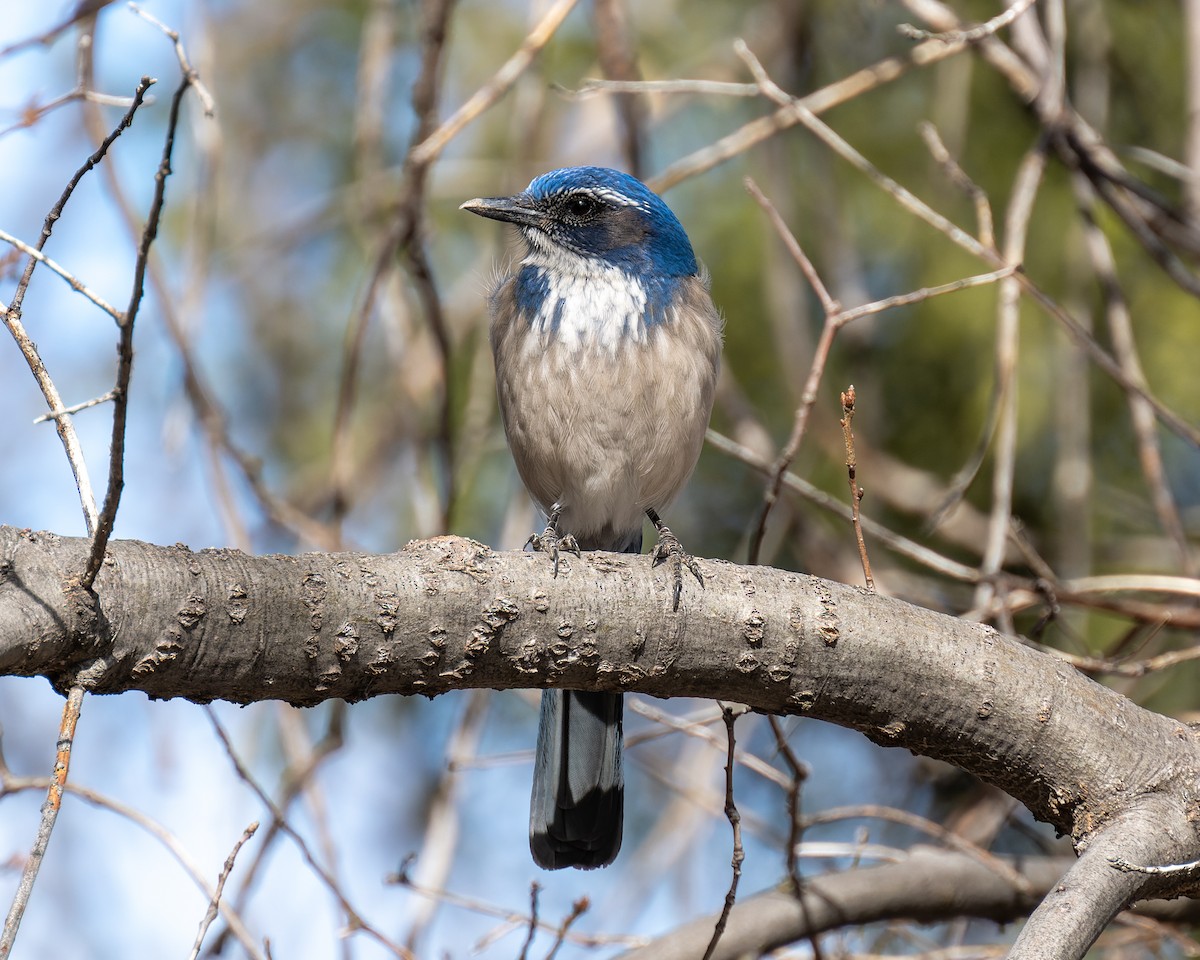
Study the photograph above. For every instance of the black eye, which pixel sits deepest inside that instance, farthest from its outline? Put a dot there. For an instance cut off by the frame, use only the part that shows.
(581, 206)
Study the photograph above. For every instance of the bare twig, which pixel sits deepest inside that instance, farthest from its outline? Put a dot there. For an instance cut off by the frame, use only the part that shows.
(12, 319)
(12, 784)
(711, 88)
(799, 774)
(958, 843)
(75, 408)
(32, 114)
(835, 319)
(406, 238)
(730, 715)
(578, 909)
(763, 128)
(618, 59)
(893, 541)
(1124, 347)
(116, 463)
(53, 267)
(440, 838)
(353, 919)
(58, 782)
(961, 238)
(534, 888)
(428, 149)
(956, 175)
(846, 315)
(971, 34)
(697, 727)
(808, 396)
(81, 11)
(1080, 146)
(185, 65)
(206, 409)
(1191, 136)
(214, 902)
(856, 492)
(1120, 863)
(1029, 176)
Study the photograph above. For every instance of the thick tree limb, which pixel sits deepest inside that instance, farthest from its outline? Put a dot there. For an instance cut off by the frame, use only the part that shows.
(449, 614)
(1078, 908)
(929, 886)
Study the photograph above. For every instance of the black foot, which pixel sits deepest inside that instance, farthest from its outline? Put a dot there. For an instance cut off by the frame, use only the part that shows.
(548, 541)
(669, 548)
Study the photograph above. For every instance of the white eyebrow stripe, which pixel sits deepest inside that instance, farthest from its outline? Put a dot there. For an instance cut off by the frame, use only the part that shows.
(602, 193)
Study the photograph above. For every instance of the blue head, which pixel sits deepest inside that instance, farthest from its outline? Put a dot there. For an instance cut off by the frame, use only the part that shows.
(596, 213)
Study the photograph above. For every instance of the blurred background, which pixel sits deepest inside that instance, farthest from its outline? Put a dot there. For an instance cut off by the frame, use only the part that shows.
(312, 372)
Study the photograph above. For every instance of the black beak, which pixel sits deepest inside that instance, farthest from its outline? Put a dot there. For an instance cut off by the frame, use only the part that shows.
(518, 209)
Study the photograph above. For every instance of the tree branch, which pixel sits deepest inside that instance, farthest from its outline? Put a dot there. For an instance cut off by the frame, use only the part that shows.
(931, 885)
(1076, 910)
(449, 614)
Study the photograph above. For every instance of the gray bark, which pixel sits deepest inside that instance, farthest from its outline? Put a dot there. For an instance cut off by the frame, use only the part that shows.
(449, 614)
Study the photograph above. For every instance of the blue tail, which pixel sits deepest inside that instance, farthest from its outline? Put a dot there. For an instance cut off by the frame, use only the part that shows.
(578, 801)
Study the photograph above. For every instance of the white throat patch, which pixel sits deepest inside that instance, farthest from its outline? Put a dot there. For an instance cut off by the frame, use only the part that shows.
(588, 303)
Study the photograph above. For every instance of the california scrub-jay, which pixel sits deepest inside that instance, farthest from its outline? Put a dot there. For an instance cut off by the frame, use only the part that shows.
(607, 347)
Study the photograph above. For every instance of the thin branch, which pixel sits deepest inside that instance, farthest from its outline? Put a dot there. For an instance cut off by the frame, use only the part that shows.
(214, 902)
(835, 319)
(82, 10)
(1124, 347)
(729, 715)
(856, 492)
(406, 238)
(33, 114)
(708, 88)
(1191, 134)
(893, 541)
(11, 784)
(617, 55)
(808, 396)
(440, 838)
(12, 319)
(1020, 209)
(763, 128)
(1120, 863)
(957, 176)
(578, 909)
(58, 782)
(534, 888)
(206, 409)
(189, 72)
(925, 293)
(427, 150)
(353, 918)
(294, 780)
(796, 849)
(1081, 147)
(116, 463)
(75, 408)
(961, 238)
(698, 729)
(952, 840)
(53, 267)
(971, 34)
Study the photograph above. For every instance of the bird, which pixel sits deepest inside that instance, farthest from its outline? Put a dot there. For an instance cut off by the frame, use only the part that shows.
(607, 348)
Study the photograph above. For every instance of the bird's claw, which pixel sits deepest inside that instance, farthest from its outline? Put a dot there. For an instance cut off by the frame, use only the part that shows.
(669, 548)
(548, 541)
